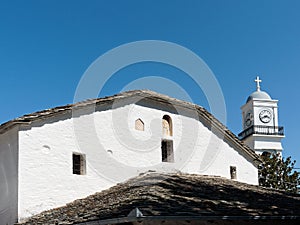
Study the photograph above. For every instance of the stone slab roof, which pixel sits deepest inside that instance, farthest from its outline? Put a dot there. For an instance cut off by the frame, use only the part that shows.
(204, 115)
(153, 195)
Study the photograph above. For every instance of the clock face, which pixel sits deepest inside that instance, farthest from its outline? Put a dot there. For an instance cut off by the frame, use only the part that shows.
(249, 119)
(265, 116)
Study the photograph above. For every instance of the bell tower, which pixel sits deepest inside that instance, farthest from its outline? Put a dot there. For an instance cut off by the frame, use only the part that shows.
(261, 131)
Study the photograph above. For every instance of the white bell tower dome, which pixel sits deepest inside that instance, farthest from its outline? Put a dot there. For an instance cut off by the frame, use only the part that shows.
(261, 131)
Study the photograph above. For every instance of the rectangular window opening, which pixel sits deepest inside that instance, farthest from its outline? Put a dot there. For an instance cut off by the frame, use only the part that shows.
(167, 151)
(233, 172)
(79, 164)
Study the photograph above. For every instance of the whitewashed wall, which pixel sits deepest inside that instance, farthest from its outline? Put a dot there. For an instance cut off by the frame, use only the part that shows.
(9, 177)
(262, 143)
(114, 151)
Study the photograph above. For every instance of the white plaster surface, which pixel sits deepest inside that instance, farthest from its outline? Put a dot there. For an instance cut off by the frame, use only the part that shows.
(114, 151)
(262, 143)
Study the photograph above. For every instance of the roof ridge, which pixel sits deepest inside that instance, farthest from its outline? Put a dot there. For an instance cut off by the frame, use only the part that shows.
(28, 118)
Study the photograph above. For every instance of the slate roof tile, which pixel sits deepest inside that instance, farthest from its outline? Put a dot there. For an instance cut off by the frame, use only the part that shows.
(179, 194)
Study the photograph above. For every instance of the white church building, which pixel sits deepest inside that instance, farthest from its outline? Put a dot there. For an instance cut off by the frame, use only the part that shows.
(52, 157)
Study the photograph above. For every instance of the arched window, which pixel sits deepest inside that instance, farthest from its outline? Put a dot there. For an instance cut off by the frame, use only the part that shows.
(139, 125)
(167, 126)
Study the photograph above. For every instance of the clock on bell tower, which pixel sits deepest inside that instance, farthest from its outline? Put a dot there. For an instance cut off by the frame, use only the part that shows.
(260, 122)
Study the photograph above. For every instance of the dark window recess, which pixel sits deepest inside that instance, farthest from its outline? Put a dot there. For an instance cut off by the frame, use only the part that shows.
(266, 154)
(78, 164)
(167, 151)
(233, 172)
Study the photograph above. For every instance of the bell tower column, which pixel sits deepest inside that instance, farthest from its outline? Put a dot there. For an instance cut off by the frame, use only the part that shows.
(261, 131)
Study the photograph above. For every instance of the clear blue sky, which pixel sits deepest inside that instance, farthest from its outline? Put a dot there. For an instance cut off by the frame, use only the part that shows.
(46, 46)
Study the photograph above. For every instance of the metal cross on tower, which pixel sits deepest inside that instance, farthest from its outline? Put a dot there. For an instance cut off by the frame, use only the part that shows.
(257, 80)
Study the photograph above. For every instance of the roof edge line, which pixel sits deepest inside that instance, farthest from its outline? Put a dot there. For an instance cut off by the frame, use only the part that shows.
(147, 218)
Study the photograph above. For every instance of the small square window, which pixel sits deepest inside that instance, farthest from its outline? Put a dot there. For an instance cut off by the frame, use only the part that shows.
(79, 164)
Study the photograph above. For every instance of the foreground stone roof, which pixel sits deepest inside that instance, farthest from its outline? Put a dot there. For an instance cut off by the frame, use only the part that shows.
(154, 195)
(207, 118)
